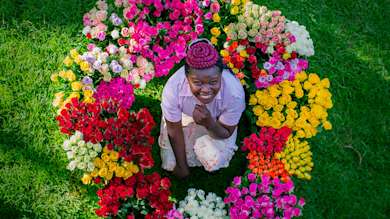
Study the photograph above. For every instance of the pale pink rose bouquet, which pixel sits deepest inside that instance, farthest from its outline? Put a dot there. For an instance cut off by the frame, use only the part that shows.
(157, 31)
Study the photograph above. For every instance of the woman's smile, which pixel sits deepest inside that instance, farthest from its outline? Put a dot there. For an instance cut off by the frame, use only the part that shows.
(205, 83)
(206, 97)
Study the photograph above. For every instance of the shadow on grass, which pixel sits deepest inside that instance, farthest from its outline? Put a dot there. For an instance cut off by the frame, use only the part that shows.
(45, 12)
(18, 152)
(9, 211)
(37, 186)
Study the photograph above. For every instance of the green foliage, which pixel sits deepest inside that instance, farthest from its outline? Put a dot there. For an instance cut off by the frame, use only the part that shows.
(352, 162)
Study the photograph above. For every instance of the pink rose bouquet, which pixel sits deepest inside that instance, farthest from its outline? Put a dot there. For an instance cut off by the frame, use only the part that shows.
(153, 29)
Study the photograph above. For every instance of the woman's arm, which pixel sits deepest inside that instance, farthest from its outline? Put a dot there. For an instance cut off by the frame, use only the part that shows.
(216, 129)
(176, 138)
(219, 130)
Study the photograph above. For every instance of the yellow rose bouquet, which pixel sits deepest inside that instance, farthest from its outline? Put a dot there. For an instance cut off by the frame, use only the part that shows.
(301, 105)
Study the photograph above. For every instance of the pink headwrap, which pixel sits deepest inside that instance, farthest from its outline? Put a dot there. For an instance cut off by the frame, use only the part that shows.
(201, 55)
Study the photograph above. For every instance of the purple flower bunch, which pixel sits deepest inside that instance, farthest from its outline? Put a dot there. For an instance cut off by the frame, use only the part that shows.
(280, 69)
(114, 94)
(258, 197)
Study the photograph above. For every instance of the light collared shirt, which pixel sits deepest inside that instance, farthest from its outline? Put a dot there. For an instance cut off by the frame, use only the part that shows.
(227, 106)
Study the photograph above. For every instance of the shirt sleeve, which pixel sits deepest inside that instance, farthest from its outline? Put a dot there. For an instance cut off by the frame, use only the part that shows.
(170, 103)
(232, 114)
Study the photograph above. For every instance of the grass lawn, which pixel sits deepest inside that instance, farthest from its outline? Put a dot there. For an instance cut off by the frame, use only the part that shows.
(351, 177)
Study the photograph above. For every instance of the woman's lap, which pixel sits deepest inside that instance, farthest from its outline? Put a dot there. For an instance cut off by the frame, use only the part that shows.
(201, 149)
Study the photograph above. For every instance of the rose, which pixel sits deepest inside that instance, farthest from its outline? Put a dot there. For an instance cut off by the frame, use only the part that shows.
(125, 32)
(237, 180)
(165, 183)
(208, 16)
(215, 7)
(142, 192)
(101, 36)
(242, 34)
(115, 34)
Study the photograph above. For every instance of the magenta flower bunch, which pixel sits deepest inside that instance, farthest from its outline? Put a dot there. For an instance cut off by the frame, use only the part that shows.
(114, 94)
(251, 196)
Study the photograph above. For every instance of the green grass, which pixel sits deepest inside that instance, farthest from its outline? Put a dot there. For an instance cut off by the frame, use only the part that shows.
(351, 178)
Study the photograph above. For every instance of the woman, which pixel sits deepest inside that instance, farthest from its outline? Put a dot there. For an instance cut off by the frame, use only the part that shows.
(201, 105)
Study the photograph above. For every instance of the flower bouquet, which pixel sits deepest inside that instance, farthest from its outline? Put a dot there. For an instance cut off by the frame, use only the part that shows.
(262, 148)
(297, 158)
(126, 137)
(214, 11)
(155, 30)
(263, 47)
(199, 205)
(252, 196)
(81, 154)
(301, 105)
(138, 196)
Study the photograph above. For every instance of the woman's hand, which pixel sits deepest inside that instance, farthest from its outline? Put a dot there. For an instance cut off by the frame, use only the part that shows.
(202, 116)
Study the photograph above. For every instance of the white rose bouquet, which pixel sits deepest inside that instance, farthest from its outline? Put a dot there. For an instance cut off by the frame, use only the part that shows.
(199, 205)
(80, 153)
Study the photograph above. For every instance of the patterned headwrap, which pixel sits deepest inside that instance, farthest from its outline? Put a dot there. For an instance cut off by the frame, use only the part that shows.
(201, 54)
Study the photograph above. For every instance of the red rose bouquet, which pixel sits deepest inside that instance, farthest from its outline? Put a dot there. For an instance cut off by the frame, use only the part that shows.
(138, 196)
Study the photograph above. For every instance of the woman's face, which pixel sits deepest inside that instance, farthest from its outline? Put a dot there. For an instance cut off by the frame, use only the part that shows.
(205, 83)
